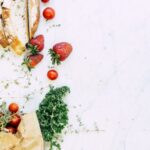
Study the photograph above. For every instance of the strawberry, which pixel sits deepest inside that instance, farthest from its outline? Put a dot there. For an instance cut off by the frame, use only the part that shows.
(60, 52)
(36, 44)
(32, 60)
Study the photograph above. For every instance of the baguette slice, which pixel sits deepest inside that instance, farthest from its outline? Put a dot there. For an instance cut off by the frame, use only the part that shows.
(34, 16)
(3, 39)
(10, 27)
(20, 19)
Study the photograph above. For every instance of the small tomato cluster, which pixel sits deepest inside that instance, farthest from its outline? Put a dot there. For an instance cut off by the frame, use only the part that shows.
(10, 119)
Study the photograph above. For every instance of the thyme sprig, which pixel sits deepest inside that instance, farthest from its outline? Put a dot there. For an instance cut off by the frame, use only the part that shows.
(5, 116)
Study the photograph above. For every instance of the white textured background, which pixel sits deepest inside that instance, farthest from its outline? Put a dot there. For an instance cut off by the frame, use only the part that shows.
(108, 72)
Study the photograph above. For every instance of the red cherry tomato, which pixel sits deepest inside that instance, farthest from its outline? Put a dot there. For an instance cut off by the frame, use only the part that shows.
(13, 107)
(52, 74)
(49, 13)
(11, 129)
(45, 1)
(15, 120)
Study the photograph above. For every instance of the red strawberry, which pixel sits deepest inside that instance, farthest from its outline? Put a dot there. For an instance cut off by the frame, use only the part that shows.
(60, 52)
(32, 60)
(36, 44)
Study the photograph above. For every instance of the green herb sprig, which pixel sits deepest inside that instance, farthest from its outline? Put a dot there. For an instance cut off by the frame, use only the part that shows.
(5, 116)
(53, 115)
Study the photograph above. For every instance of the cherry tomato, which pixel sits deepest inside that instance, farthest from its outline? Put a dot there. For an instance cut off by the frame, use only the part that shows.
(49, 13)
(13, 107)
(11, 129)
(15, 120)
(45, 1)
(52, 74)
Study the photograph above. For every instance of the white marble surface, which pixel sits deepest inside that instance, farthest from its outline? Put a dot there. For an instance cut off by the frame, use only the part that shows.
(108, 72)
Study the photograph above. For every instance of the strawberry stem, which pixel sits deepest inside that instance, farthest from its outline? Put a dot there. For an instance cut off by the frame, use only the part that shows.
(54, 57)
(26, 63)
(32, 48)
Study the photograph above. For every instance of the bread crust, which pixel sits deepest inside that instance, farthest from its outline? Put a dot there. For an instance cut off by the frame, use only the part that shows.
(34, 5)
(14, 42)
(3, 40)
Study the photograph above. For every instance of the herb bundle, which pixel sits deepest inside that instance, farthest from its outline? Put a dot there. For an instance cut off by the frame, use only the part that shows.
(53, 115)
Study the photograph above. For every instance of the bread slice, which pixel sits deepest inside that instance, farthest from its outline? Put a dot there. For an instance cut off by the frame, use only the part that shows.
(34, 16)
(20, 20)
(3, 39)
(10, 26)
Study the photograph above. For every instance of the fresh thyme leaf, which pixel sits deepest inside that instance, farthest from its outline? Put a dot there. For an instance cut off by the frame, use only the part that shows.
(5, 116)
(53, 115)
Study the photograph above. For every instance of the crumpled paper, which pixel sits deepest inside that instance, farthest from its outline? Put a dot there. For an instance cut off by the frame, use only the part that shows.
(28, 137)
